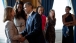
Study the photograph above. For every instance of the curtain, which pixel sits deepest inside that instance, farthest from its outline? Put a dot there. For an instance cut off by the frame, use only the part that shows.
(74, 7)
(47, 4)
(9, 3)
(4, 3)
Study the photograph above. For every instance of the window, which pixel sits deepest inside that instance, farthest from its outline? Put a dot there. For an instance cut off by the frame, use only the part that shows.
(2, 30)
(59, 7)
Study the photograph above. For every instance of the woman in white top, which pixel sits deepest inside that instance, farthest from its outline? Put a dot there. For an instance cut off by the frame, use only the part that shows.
(10, 29)
(20, 18)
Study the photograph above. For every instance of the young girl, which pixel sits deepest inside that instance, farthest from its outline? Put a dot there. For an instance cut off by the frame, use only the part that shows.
(50, 27)
(20, 18)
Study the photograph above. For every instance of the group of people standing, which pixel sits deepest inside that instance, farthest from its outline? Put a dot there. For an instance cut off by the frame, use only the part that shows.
(23, 25)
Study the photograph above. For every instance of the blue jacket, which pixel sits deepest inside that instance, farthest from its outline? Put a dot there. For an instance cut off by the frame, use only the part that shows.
(64, 30)
(33, 31)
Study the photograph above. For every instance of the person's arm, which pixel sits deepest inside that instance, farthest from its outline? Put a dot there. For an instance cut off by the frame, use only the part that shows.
(72, 23)
(22, 35)
(55, 22)
(24, 32)
(46, 19)
(63, 20)
(37, 28)
(45, 23)
(68, 23)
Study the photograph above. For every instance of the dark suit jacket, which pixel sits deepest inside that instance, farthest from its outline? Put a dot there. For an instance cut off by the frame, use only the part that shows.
(33, 31)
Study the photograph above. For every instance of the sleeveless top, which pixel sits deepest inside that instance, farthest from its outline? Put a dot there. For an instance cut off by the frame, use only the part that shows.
(69, 18)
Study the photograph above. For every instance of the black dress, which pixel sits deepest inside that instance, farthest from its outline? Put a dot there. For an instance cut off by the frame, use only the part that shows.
(50, 31)
(69, 39)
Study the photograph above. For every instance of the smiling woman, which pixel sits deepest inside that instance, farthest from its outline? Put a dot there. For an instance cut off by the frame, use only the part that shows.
(2, 30)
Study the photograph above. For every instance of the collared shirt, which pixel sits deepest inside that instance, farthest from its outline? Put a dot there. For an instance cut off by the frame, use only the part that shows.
(30, 14)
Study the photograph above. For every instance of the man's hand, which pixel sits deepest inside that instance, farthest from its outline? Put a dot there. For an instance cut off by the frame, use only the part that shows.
(21, 38)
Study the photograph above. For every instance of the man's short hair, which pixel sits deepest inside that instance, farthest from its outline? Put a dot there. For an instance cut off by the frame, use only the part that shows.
(28, 3)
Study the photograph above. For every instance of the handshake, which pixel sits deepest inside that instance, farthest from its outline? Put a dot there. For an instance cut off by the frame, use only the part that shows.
(21, 38)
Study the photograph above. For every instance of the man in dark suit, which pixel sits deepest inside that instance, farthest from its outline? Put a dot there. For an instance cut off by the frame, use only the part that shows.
(33, 31)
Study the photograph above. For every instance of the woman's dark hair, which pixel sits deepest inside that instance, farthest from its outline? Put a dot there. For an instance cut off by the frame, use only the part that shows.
(22, 13)
(68, 7)
(39, 7)
(19, 2)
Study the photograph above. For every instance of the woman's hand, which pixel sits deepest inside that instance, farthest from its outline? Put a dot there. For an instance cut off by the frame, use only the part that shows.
(21, 38)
